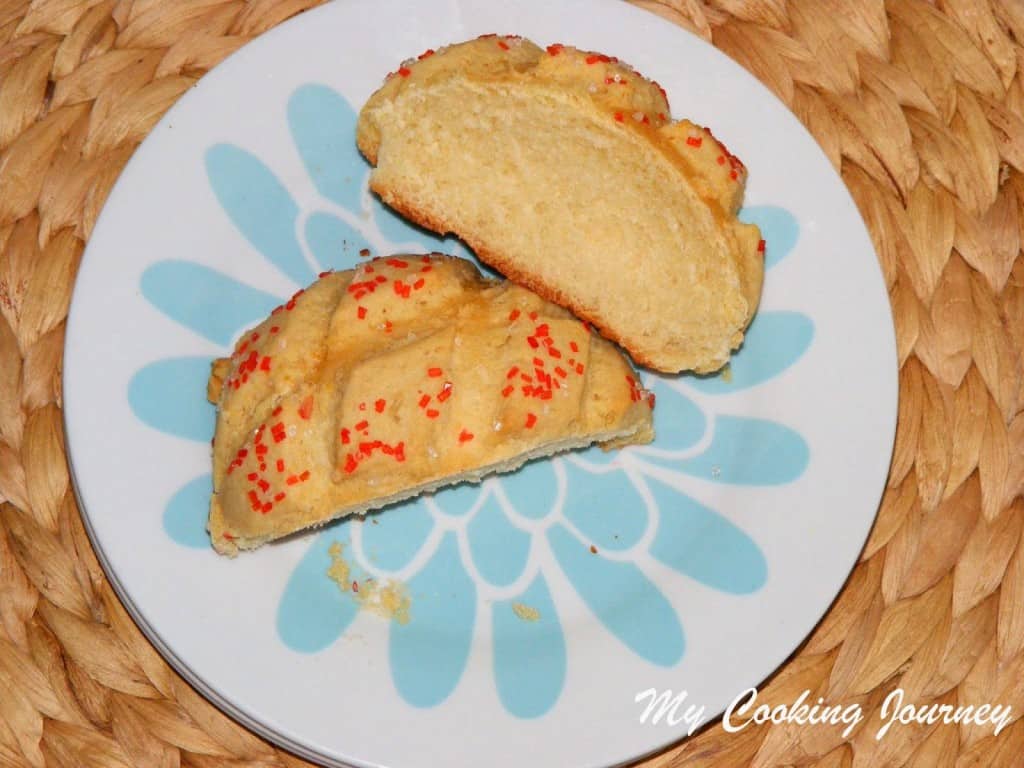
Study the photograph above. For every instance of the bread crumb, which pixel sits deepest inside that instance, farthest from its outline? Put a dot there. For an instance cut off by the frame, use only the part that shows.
(339, 569)
(525, 612)
(726, 374)
(389, 600)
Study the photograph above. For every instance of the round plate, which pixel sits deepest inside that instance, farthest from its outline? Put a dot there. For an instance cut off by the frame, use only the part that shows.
(546, 603)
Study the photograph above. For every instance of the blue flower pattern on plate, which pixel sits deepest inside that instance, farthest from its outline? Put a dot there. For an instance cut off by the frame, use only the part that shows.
(601, 515)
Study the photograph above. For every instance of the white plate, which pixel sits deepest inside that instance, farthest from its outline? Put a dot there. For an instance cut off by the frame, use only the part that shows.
(718, 547)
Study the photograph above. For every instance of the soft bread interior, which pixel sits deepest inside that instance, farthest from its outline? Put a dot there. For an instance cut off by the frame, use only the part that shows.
(590, 203)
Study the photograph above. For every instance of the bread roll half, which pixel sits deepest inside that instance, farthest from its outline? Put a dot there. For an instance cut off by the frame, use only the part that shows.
(562, 169)
(396, 378)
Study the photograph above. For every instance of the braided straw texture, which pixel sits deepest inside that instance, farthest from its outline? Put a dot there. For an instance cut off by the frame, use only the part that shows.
(919, 106)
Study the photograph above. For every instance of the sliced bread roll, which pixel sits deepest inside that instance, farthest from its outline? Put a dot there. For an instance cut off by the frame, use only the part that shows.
(396, 378)
(562, 169)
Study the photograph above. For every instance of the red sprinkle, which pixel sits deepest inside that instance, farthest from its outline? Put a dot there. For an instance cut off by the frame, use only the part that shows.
(574, 346)
(274, 329)
(350, 464)
(355, 586)
(542, 330)
(445, 393)
(379, 405)
(251, 477)
(507, 391)
(345, 438)
(304, 476)
(721, 159)
(619, 117)
(426, 54)
(404, 71)
(277, 411)
(579, 368)
(424, 400)
(512, 372)
(361, 312)
(401, 264)
(760, 246)
(434, 372)
(432, 414)
(596, 57)
(733, 175)
(531, 419)
(292, 480)
(267, 507)
(306, 409)
(554, 50)
(280, 465)
(513, 315)
(532, 342)
(419, 284)
(465, 436)
(560, 371)
(362, 425)
(694, 141)
(503, 45)
(265, 362)
(279, 496)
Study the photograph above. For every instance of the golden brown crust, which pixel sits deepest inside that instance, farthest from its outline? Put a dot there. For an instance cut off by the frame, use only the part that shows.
(407, 374)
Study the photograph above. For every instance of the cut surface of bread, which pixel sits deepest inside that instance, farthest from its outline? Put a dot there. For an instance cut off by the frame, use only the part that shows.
(562, 169)
(398, 377)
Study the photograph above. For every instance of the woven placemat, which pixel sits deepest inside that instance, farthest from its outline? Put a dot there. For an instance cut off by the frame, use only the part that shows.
(921, 109)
